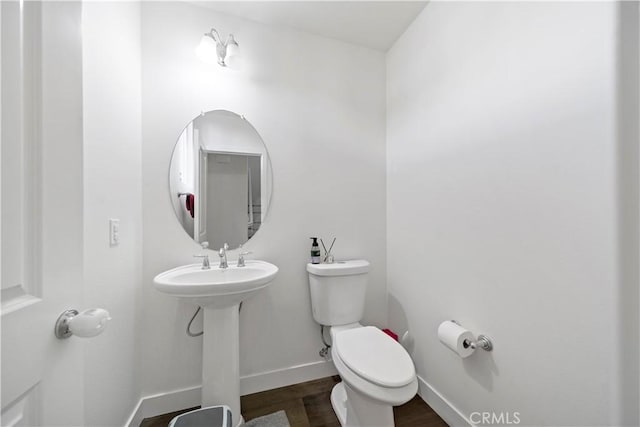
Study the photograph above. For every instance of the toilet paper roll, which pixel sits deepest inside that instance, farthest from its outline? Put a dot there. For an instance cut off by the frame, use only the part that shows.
(453, 336)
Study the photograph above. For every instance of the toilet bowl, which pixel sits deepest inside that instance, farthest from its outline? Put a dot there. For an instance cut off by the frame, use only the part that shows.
(377, 374)
(376, 371)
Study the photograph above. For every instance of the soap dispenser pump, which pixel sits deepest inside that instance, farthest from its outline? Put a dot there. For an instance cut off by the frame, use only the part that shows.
(315, 251)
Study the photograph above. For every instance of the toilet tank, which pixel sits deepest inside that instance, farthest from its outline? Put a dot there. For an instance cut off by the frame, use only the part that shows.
(338, 291)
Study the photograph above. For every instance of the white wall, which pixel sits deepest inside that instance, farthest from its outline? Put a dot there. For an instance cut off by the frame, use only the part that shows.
(319, 105)
(112, 189)
(502, 204)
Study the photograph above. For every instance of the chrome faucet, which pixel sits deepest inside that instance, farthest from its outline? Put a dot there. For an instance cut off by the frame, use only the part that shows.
(223, 256)
(205, 257)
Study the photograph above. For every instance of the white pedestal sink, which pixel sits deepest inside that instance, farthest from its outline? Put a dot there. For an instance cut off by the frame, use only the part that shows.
(219, 292)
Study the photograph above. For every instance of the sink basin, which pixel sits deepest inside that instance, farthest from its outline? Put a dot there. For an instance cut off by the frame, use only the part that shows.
(219, 291)
(219, 287)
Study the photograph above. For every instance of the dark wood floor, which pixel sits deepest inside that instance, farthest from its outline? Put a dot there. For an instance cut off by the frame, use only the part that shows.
(309, 405)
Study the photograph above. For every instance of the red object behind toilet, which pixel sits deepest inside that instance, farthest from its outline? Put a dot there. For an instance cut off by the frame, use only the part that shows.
(391, 334)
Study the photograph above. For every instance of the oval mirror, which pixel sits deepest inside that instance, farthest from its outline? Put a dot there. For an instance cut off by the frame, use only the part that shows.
(220, 179)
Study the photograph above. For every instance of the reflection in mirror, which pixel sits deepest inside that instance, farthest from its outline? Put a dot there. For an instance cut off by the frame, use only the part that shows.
(220, 179)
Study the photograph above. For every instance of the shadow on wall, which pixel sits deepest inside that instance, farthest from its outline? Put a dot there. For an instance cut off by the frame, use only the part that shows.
(480, 366)
(398, 322)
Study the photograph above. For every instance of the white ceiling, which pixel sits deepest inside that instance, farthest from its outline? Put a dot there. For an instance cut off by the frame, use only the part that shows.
(374, 24)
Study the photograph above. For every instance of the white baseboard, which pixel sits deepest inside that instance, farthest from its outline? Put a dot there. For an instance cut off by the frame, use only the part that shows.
(447, 411)
(176, 400)
(163, 403)
(287, 376)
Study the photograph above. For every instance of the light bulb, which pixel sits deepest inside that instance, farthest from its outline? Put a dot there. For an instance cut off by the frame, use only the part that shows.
(206, 50)
(232, 59)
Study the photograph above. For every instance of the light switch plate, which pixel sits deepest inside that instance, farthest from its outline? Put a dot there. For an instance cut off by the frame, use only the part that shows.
(114, 232)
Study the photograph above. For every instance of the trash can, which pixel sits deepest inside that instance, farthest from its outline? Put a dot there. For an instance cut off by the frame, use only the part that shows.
(211, 416)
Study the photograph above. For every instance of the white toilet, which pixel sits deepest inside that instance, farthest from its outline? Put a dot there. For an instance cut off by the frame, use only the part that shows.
(377, 373)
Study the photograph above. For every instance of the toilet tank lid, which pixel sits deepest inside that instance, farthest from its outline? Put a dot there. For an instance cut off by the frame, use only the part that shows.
(340, 268)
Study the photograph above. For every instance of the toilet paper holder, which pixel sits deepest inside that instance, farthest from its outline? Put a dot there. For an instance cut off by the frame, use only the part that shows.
(483, 342)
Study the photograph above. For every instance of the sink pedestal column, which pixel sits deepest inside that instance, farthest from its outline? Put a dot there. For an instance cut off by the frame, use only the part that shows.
(221, 359)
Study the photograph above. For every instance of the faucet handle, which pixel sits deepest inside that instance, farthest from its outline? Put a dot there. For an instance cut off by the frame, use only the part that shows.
(241, 258)
(223, 250)
(205, 261)
(205, 245)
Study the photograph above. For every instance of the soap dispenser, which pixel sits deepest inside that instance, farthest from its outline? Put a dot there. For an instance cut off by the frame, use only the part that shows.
(315, 251)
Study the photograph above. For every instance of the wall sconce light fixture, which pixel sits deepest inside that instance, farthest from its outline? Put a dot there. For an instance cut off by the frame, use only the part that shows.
(212, 48)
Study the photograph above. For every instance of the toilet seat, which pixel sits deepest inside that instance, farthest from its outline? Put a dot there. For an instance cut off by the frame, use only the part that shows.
(374, 356)
(394, 396)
